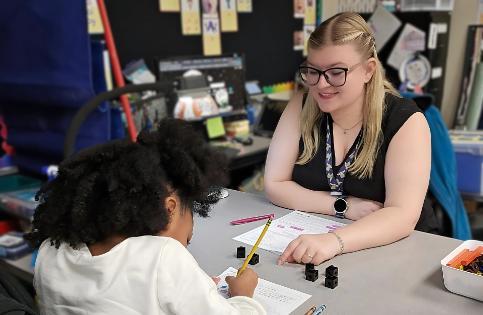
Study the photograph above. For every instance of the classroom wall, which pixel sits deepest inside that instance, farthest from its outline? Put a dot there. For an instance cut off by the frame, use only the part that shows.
(265, 37)
(465, 12)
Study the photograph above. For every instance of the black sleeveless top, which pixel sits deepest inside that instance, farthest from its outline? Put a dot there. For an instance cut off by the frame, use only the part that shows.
(312, 175)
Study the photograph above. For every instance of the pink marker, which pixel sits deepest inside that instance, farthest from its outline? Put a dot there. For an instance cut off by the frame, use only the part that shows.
(253, 219)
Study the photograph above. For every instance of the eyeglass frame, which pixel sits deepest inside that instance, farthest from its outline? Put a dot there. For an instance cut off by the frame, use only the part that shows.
(320, 73)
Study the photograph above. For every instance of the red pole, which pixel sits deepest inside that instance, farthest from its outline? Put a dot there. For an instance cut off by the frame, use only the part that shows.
(116, 68)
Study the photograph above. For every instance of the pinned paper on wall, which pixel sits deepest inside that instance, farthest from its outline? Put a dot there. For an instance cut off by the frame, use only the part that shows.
(209, 6)
(211, 35)
(308, 29)
(190, 17)
(299, 9)
(94, 21)
(229, 17)
(410, 40)
(169, 5)
(244, 6)
(298, 40)
(310, 13)
(383, 24)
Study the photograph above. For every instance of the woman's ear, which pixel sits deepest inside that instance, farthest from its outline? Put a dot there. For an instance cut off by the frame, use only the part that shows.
(370, 68)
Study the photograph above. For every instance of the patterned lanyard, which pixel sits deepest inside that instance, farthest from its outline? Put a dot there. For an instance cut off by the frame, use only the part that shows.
(336, 181)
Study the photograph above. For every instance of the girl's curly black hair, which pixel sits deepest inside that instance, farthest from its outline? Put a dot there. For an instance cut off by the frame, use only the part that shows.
(120, 187)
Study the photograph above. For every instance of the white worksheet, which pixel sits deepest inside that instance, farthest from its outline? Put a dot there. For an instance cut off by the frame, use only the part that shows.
(287, 228)
(276, 299)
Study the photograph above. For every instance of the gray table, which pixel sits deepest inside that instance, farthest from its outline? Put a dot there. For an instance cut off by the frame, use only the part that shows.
(402, 278)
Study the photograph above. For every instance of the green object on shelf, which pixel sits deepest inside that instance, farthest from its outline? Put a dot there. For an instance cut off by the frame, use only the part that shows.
(17, 182)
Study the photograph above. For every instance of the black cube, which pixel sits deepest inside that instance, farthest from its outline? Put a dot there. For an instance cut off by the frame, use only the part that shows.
(309, 267)
(254, 260)
(331, 282)
(240, 252)
(331, 271)
(312, 275)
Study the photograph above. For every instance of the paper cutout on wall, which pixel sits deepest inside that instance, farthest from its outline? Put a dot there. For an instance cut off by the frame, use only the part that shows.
(298, 40)
(299, 9)
(244, 6)
(169, 5)
(211, 35)
(310, 13)
(383, 24)
(190, 17)
(308, 29)
(410, 40)
(229, 17)
(94, 21)
(209, 6)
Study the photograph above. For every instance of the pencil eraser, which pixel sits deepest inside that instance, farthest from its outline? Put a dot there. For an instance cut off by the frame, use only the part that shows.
(255, 259)
(312, 275)
(240, 252)
(331, 282)
(331, 271)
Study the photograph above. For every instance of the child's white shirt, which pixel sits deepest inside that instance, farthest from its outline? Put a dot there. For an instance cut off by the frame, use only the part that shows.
(141, 275)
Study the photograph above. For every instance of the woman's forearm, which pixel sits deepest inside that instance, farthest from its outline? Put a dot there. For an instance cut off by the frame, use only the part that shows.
(289, 194)
(381, 227)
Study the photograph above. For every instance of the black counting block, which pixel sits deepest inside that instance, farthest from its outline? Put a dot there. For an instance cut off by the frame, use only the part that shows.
(331, 271)
(309, 267)
(254, 260)
(312, 275)
(331, 282)
(240, 252)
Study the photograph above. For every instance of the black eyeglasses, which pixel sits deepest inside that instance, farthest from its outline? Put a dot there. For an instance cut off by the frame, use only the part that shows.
(334, 76)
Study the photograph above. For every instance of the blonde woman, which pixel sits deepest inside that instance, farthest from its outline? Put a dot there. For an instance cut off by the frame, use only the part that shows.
(350, 147)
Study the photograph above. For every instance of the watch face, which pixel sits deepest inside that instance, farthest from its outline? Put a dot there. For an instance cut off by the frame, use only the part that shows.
(340, 205)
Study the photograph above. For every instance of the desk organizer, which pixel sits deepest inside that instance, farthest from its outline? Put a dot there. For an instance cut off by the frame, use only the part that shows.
(459, 281)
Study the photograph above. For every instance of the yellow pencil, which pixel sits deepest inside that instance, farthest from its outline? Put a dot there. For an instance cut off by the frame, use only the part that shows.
(245, 263)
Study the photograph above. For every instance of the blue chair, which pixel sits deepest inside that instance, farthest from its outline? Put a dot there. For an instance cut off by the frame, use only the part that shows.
(449, 208)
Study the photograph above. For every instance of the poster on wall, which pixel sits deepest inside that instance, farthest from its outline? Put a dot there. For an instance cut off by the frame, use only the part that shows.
(298, 40)
(383, 24)
(310, 12)
(308, 29)
(410, 40)
(299, 9)
(229, 17)
(190, 17)
(94, 21)
(244, 6)
(211, 35)
(209, 6)
(169, 5)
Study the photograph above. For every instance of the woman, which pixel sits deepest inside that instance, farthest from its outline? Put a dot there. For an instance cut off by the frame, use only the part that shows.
(352, 129)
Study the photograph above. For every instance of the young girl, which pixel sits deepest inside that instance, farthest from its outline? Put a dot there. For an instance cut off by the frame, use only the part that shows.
(115, 223)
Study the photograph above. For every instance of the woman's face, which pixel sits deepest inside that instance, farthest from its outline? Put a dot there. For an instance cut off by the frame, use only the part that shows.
(328, 97)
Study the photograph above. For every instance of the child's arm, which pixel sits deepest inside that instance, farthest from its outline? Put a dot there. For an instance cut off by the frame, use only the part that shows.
(184, 288)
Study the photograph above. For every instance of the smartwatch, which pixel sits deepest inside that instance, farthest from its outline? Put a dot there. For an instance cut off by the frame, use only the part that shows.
(340, 207)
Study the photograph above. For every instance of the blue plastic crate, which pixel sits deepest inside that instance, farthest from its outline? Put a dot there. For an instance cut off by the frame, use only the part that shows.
(468, 147)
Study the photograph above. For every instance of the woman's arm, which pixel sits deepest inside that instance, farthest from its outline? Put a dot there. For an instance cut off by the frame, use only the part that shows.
(407, 169)
(282, 155)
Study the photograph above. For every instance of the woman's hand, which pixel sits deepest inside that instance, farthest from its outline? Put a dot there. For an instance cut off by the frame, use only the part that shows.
(359, 208)
(311, 248)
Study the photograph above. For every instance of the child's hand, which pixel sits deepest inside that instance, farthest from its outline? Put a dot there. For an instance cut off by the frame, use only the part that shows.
(244, 284)
(216, 280)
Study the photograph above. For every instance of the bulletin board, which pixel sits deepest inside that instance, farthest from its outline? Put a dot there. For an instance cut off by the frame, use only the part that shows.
(264, 37)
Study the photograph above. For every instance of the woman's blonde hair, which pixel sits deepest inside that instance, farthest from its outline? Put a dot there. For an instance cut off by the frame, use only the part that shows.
(349, 28)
